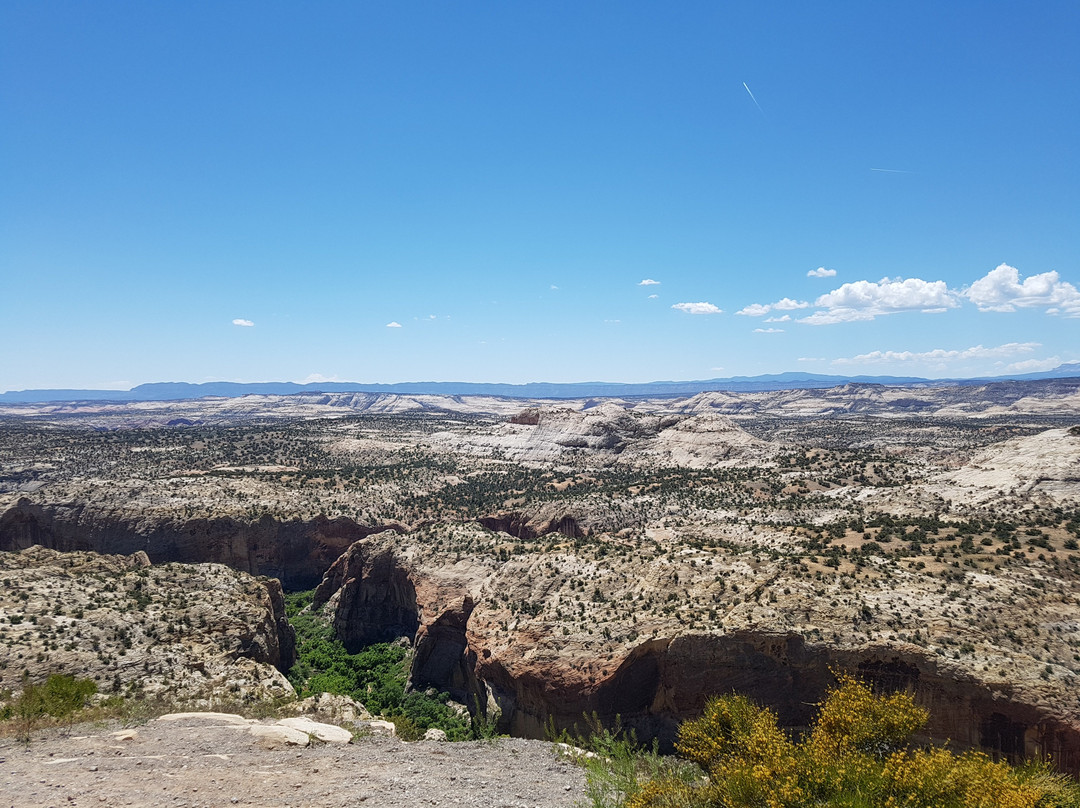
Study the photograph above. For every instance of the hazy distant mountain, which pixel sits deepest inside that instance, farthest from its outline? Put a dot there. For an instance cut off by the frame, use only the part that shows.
(174, 391)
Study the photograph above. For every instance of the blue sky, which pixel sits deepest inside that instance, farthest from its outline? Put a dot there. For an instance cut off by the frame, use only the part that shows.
(398, 191)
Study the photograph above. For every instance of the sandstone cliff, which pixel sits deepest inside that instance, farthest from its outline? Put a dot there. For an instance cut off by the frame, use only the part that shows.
(297, 552)
(553, 635)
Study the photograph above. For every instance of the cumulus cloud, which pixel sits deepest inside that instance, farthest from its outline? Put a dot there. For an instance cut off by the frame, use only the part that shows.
(1002, 290)
(821, 272)
(698, 308)
(1034, 365)
(653, 297)
(242, 322)
(784, 304)
(783, 319)
(768, 331)
(754, 310)
(941, 355)
(649, 282)
(393, 324)
(787, 304)
(865, 300)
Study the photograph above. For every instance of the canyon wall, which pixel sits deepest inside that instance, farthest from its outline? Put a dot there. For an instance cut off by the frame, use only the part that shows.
(295, 552)
(380, 587)
(660, 682)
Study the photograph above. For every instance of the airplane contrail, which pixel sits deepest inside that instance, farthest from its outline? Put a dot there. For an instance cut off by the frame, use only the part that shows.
(756, 104)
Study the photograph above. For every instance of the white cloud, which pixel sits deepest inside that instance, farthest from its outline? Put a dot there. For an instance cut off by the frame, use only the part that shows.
(787, 304)
(1002, 290)
(865, 300)
(649, 282)
(393, 324)
(821, 272)
(554, 288)
(245, 323)
(811, 359)
(754, 310)
(653, 297)
(784, 319)
(1034, 365)
(941, 355)
(784, 304)
(768, 331)
(698, 308)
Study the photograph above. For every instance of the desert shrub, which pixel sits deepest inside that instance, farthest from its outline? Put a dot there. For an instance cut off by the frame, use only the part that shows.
(856, 755)
(615, 763)
(61, 697)
(749, 759)
(64, 696)
(405, 728)
(853, 718)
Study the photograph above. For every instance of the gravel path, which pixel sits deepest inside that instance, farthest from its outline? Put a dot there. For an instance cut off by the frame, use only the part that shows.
(191, 765)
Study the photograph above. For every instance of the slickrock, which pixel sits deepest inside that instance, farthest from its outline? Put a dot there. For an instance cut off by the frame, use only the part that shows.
(327, 733)
(610, 433)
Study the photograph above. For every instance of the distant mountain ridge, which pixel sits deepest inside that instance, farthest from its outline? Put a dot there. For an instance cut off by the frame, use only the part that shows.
(176, 391)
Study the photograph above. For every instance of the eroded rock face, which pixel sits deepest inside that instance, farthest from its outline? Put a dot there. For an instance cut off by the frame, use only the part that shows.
(371, 595)
(659, 684)
(532, 525)
(609, 433)
(296, 552)
(478, 637)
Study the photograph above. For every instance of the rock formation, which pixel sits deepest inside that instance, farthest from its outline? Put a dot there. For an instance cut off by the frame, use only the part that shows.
(191, 633)
(609, 433)
(627, 557)
(296, 552)
(491, 633)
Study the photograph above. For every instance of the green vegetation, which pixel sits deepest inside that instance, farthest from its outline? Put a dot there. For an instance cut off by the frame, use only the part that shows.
(857, 755)
(375, 677)
(60, 697)
(615, 763)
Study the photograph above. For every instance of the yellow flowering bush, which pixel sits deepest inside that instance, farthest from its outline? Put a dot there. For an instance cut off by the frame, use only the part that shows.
(853, 718)
(855, 756)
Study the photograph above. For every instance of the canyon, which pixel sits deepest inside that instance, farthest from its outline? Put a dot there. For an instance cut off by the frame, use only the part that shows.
(549, 559)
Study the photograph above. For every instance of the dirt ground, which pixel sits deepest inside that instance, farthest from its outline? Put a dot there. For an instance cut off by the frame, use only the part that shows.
(191, 764)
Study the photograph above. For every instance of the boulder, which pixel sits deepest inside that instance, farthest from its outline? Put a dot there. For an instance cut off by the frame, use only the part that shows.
(276, 735)
(327, 733)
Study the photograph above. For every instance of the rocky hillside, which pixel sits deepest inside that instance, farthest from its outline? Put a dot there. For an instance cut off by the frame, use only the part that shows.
(609, 433)
(570, 559)
(648, 627)
(192, 633)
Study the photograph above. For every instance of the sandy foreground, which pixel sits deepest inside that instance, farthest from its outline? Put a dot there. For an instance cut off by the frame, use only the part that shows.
(199, 764)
